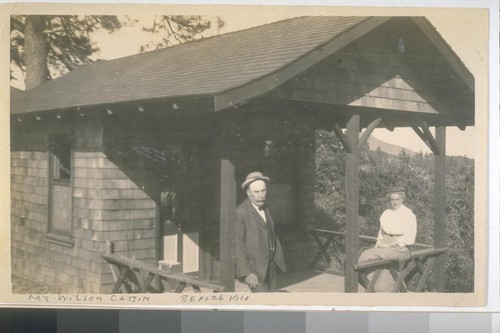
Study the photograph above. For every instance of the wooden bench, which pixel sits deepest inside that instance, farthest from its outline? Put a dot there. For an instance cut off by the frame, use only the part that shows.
(421, 260)
(132, 272)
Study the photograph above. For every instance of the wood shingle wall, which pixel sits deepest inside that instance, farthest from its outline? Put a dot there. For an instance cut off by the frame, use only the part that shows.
(110, 207)
(107, 206)
(29, 209)
(363, 75)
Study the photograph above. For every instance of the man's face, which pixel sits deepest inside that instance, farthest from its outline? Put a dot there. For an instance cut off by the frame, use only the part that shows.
(257, 192)
(395, 201)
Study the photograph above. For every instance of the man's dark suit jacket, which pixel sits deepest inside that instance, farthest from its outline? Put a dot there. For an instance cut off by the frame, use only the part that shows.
(252, 242)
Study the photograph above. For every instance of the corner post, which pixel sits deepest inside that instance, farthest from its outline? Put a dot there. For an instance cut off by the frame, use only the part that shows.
(440, 205)
(227, 218)
(352, 204)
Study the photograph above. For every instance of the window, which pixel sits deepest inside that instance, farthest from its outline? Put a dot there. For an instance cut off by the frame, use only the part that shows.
(60, 189)
(61, 158)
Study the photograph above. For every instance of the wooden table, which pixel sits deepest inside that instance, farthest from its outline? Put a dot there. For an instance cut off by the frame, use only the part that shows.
(421, 261)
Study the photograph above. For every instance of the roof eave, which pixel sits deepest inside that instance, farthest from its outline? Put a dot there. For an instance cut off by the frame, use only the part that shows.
(209, 98)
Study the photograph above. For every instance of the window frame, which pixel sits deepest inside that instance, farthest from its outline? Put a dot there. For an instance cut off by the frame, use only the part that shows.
(56, 235)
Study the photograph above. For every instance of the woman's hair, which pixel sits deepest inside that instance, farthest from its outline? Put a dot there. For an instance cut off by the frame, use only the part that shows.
(401, 194)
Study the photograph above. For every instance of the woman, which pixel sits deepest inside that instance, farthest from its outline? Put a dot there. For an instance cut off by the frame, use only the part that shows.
(398, 229)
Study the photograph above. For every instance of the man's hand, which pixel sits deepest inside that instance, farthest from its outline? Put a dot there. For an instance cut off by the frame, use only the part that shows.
(252, 280)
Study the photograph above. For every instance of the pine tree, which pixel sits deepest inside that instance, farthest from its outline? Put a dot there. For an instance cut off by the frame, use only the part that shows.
(42, 46)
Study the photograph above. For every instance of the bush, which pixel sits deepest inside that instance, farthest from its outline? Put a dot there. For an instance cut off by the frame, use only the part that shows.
(415, 172)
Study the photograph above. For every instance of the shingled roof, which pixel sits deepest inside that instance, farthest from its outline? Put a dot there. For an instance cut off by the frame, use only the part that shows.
(208, 67)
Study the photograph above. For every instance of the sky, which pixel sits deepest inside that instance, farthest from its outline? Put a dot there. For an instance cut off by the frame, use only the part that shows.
(458, 31)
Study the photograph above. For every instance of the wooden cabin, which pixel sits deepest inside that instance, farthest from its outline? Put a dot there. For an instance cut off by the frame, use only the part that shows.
(144, 155)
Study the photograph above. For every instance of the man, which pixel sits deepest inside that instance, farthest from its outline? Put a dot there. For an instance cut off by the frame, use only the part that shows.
(257, 249)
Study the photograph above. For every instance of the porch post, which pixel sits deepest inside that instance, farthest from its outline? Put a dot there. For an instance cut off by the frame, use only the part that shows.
(440, 205)
(227, 218)
(352, 204)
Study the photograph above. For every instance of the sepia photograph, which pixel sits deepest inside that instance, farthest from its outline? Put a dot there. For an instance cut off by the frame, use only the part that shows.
(241, 155)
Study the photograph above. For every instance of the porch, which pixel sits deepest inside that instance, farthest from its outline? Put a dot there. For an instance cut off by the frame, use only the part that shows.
(310, 281)
(132, 276)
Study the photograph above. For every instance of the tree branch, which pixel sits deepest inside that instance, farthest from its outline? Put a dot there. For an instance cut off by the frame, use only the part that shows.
(171, 29)
(61, 57)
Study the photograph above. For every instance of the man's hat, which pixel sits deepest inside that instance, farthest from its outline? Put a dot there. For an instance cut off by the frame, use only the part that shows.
(394, 189)
(253, 176)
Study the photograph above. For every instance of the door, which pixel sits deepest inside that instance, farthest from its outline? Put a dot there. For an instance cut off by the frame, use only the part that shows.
(181, 208)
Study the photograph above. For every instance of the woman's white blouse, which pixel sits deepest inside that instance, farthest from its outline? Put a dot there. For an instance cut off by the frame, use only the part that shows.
(401, 223)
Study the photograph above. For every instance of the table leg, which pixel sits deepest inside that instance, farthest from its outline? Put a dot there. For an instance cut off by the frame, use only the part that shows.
(323, 247)
(373, 281)
(425, 278)
(146, 283)
(119, 281)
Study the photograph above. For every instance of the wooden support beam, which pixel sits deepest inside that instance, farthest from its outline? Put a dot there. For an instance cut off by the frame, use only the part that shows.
(425, 139)
(431, 99)
(340, 135)
(352, 204)
(368, 131)
(440, 205)
(227, 218)
(421, 135)
(426, 136)
(427, 132)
